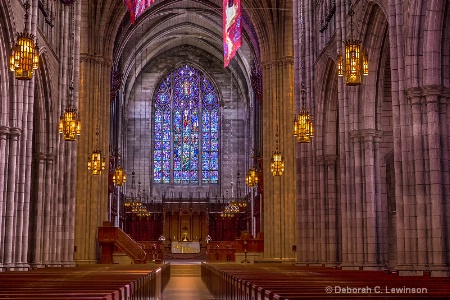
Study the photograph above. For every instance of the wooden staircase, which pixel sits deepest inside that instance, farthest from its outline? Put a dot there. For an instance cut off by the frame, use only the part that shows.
(109, 237)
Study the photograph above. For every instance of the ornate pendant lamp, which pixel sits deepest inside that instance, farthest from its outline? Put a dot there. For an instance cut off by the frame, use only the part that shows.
(119, 176)
(303, 122)
(251, 178)
(277, 161)
(70, 121)
(25, 53)
(97, 163)
(355, 62)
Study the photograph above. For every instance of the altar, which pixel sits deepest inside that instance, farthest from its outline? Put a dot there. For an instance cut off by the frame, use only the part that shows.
(185, 247)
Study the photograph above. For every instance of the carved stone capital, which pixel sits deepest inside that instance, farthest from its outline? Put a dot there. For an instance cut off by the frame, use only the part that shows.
(98, 59)
(42, 157)
(14, 133)
(366, 135)
(414, 92)
(4, 131)
(329, 159)
(279, 62)
(432, 90)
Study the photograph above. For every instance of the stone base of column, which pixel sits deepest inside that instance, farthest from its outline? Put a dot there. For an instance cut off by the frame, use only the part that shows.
(37, 265)
(424, 270)
(22, 266)
(5, 267)
(438, 271)
(15, 267)
(308, 264)
(68, 264)
(85, 262)
(351, 266)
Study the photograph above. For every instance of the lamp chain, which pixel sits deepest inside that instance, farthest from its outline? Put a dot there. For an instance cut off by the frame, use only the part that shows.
(97, 130)
(27, 7)
(351, 12)
(276, 123)
(302, 49)
(72, 58)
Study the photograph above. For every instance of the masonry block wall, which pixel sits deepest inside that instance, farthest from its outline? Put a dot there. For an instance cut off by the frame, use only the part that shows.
(373, 186)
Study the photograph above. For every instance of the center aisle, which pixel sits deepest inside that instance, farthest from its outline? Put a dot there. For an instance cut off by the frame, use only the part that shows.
(186, 284)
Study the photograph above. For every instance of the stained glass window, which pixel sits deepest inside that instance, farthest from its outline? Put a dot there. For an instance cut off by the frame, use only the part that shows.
(186, 129)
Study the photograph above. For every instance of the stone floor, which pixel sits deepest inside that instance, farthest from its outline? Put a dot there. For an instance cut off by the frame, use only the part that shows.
(185, 283)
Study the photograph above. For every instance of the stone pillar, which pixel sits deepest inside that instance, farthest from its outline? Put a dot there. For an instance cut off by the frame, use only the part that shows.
(439, 237)
(279, 191)
(4, 133)
(371, 138)
(9, 214)
(36, 227)
(92, 190)
(420, 187)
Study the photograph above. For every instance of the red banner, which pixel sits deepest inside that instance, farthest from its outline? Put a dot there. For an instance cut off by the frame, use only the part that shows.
(231, 29)
(137, 7)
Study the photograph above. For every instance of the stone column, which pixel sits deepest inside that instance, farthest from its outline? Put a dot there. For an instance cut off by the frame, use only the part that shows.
(279, 192)
(92, 190)
(371, 138)
(36, 227)
(4, 133)
(333, 213)
(9, 214)
(439, 262)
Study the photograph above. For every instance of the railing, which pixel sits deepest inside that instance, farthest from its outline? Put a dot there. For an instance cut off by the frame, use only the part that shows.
(108, 237)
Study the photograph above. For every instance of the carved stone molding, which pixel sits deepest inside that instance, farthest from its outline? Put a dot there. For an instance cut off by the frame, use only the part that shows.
(4, 131)
(324, 160)
(68, 2)
(84, 57)
(42, 156)
(285, 60)
(14, 133)
(427, 94)
(367, 135)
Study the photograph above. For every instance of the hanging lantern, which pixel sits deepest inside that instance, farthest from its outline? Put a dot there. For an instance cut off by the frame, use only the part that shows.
(365, 63)
(353, 62)
(119, 177)
(305, 126)
(25, 53)
(356, 61)
(251, 178)
(295, 125)
(70, 124)
(97, 163)
(277, 164)
(340, 66)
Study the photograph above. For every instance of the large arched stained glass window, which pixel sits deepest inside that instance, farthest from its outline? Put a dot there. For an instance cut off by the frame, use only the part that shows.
(186, 129)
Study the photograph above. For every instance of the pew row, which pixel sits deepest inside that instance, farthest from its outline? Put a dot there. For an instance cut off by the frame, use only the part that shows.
(282, 282)
(105, 282)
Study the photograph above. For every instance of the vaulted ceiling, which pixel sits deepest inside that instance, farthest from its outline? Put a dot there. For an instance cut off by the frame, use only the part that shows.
(169, 26)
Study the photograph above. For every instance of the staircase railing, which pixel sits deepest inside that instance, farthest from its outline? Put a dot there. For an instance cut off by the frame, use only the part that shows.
(108, 237)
